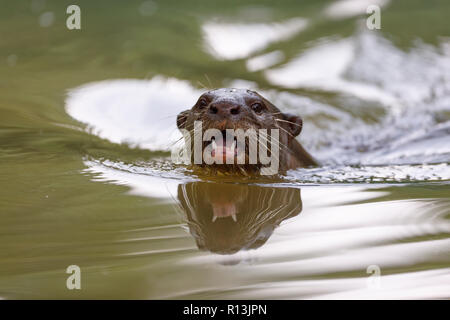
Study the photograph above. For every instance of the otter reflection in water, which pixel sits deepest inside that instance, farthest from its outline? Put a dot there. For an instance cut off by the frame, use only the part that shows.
(225, 218)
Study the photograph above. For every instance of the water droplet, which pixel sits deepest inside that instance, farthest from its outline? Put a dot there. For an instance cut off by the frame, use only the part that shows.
(147, 8)
(11, 60)
(46, 19)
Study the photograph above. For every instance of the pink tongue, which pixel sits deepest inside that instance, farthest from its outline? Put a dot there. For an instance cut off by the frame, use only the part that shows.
(223, 210)
(222, 151)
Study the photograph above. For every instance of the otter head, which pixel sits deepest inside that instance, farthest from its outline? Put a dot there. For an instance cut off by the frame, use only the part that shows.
(238, 128)
(225, 218)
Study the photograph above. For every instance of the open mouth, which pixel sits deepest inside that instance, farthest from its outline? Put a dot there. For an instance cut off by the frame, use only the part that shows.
(224, 210)
(224, 148)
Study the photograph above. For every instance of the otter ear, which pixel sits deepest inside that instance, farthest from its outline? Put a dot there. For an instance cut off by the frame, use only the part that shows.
(294, 124)
(181, 119)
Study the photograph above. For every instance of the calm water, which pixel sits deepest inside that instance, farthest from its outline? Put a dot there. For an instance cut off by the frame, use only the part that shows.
(87, 122)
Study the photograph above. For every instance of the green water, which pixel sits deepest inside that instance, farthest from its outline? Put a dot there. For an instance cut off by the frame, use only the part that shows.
(71, 197)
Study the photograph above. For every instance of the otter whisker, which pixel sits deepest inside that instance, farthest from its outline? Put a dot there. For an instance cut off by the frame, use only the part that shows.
(286, 131)
(275, 140)
(169, 116)
(275, 113)
(202, 85)
(290, 122)
(209, 81)
(267, 149)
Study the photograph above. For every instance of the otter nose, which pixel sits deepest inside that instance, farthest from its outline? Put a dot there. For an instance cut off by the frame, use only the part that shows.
(224, 109)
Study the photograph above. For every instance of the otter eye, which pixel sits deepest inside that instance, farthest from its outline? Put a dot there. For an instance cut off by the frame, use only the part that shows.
(257, 107)
(202, 103)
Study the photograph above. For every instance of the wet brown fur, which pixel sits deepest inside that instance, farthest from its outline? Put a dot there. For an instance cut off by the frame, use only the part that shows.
(240, 101)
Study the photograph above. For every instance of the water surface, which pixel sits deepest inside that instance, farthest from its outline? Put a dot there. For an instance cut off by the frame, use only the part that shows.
(87, 122)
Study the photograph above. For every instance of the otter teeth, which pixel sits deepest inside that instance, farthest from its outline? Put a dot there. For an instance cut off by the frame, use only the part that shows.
(233, 145)
(233, 216)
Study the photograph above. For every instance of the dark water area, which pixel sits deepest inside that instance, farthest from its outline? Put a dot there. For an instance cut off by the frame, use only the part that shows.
(87, 127)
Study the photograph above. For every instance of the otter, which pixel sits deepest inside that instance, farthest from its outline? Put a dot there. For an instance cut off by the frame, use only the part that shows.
(229, 108)
(225, 218)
